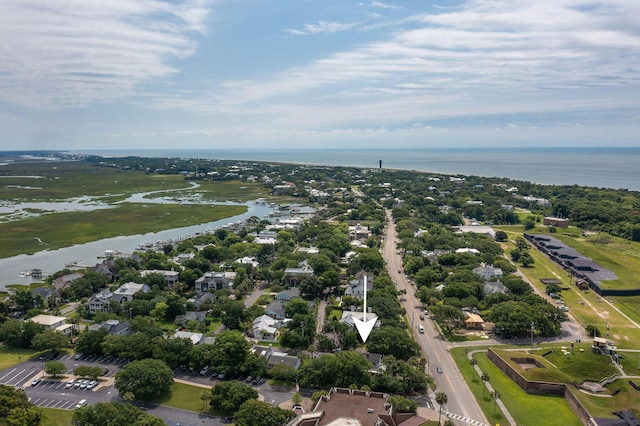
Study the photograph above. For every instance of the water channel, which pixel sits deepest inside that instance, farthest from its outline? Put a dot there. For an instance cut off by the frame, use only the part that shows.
(49, 261)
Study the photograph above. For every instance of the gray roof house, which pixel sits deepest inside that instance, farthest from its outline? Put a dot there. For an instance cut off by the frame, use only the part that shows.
(488, 272)
(112, 326)
(275, 309)
(101, 302)
(213, 281)
(288, 294)
(494, 287)
(356, 286)
(202, 298)
(197, 316)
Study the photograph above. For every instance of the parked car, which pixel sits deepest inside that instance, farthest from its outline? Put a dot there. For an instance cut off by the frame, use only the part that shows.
(70, 384)
(36, 381)
(81, 403)
(77, 356)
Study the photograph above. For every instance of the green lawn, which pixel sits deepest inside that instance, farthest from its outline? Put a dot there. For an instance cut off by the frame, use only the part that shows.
(10, 356)
(185, 397)
(56, 417)
(549, 410)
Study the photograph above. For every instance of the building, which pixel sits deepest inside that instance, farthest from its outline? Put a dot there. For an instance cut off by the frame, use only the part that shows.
(556, 221)
(488, 272)
(213, 281)
(356, 286)
(170, 277)
(54, 323)
(359, 232)
(101, 302)
(113, 327)
(353, 407)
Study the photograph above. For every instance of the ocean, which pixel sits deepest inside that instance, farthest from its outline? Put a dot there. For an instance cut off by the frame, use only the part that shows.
(617, 168)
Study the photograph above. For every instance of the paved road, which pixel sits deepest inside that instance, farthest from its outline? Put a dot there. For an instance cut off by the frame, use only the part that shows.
(461, 400)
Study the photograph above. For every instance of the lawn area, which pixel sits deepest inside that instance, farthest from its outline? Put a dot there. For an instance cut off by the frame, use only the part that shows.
(56, 417)
(549, 410)
(10, 356)
(585, 305)
(186, 397)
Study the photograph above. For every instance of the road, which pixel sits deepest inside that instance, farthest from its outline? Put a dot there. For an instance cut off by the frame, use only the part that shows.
(461, 401)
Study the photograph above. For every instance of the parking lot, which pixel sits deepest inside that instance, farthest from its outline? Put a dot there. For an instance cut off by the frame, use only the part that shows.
(59, 393)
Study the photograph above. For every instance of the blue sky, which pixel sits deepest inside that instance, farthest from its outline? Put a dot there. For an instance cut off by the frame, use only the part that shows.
(117, 74)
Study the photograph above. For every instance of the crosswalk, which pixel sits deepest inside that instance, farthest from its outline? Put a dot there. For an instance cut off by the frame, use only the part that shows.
(463, 418)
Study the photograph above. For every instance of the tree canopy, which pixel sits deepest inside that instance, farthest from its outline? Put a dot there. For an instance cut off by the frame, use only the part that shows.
(146, 379)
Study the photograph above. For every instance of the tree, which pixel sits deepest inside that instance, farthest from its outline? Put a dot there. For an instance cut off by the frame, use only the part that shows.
(342, 369)
(283, 372)
(234, 314)
(501, 236)
(496, 396)
(147, 379)
(19, 333)
(90, 342)
(258, 413)
(113, 413)
(441, 399)
(229, 396)
(392, 341)
(53, 368)
(88, 371)
(402, 404)
(296, 306)
(15, 408)
(485, 378)
(50, 340)
(229, 352)
(473, 363)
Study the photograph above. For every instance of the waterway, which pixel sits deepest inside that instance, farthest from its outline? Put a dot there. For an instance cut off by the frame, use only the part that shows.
(50, 261)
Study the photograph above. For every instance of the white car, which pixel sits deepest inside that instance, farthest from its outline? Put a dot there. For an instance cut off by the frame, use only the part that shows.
(70, 384)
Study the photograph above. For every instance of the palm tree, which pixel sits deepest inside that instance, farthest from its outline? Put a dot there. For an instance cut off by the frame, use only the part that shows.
(205, 397)
(473, 363)
(496, 396)
(441, 399)
(485, 379)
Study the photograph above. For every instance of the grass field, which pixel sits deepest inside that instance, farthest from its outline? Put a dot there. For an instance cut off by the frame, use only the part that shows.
(12, 356)
(56, 417)
(584, 305)
(549, 410)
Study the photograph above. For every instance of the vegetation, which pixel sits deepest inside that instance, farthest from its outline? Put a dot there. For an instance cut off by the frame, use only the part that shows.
(147, 379)
(15, 408)
(113, 413)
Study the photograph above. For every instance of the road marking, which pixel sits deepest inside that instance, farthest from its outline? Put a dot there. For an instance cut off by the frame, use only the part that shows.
(463, 419)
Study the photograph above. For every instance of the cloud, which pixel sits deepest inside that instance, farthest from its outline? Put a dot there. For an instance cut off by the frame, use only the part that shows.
(320, 28)
(74, 53)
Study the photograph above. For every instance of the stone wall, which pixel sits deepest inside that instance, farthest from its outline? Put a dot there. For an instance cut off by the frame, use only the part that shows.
(542, 388)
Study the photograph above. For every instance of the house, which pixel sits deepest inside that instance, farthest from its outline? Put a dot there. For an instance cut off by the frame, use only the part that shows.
(494, 287)
(50, 295)
(201, 299)
(275, 357)
(213, 281)
(64, 280)
(275, 309)
(103, 269)
(101, 302)
(183, 257)
(170, 277)
(356, 286)
(113, 327)
(55, 323)
(473, 321)
(288, 294)
(476, 229)
(488, 272)
(195, 338)
(198, 316)
(308, 250)
(359, 232)
(264, 328)
(348, 318)
(126, 291)
(468, 250)
(248, 261)
(296, 274)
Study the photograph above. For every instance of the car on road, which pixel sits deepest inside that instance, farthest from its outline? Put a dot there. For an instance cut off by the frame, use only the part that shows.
(36, 381)
(439, 369)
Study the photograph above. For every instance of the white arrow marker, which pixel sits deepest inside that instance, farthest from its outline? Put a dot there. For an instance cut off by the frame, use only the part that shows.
(363, 325)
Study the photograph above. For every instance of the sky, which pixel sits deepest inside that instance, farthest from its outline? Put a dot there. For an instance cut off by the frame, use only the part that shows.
(217, 74)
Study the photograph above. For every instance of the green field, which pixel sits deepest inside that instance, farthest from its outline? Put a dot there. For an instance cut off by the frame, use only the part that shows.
(56, 417)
